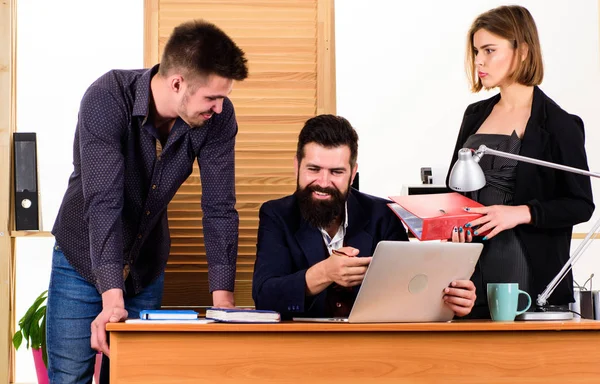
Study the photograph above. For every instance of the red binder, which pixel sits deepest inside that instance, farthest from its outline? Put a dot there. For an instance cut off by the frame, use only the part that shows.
(432, 217)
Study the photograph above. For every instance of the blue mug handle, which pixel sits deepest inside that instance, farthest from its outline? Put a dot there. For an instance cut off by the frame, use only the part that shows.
(528, 302)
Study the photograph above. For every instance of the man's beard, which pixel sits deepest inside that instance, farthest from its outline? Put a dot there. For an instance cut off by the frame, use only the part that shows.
(321, 213)
(192, 121)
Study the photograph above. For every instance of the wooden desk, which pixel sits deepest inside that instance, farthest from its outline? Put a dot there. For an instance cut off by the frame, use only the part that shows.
(458, 352)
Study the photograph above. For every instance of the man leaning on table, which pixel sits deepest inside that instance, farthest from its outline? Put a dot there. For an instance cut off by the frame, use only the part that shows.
(138, 134)
(297, 272)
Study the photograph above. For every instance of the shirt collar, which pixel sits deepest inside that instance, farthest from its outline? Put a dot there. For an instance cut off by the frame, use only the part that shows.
(142, 93)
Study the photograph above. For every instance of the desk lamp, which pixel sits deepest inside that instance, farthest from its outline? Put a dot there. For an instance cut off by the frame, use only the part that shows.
(467, 176)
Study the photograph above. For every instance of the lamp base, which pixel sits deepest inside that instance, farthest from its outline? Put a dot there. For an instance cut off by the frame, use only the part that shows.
(545, 316)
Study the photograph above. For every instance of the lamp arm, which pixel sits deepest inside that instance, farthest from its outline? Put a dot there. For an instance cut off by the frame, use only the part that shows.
(485, 150)
(542, 298)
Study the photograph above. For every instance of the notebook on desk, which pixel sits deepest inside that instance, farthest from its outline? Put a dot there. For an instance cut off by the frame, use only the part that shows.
(405, 282)
(238, 315)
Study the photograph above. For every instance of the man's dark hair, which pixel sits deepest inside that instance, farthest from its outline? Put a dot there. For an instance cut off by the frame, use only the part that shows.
(328, 131)
(198, 48)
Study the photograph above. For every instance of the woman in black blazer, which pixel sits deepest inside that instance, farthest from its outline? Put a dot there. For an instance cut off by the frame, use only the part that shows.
(530, 210)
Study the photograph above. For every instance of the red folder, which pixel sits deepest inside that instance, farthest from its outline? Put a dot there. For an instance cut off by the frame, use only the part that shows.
(432, 217)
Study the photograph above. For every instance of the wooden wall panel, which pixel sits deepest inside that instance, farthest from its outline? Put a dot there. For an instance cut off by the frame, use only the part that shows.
(8, 101)
(289, 46)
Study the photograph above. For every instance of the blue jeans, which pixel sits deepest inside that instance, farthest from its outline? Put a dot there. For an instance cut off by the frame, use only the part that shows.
(73, 303)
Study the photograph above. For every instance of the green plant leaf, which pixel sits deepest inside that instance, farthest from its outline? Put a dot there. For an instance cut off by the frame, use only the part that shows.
(25, 324)
(44, 351)
(17, 339)
(34, 335)
(26, 336)
(34, 330)
(34, 307)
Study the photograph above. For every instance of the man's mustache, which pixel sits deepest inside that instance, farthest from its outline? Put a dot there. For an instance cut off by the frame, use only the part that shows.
(318, 188)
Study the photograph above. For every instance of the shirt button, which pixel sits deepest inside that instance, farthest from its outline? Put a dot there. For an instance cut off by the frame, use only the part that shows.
(147, 213)
(338, 305)
(139, 236)
(153, 186)
(158, 158)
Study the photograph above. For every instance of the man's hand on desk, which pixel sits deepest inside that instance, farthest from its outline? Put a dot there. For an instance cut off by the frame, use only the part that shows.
(223, 299)
(460, 297)
(113, 311)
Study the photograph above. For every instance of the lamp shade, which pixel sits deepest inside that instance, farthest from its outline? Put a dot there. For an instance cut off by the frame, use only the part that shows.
(466, 174)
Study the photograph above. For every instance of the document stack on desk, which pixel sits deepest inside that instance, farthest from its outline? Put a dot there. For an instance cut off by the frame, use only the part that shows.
(236, 315)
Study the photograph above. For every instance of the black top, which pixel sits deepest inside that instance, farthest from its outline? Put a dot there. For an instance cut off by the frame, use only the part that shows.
(114, 212)
(557, 199)
(503, 259)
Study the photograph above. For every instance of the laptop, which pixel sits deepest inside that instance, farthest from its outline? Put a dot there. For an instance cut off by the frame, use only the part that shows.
(405, 282)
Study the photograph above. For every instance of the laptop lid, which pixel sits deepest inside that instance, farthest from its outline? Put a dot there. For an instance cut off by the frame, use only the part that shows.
(405, 281)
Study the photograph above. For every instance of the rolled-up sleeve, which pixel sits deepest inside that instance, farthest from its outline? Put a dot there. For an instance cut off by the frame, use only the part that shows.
(220, 219)
(102, 121)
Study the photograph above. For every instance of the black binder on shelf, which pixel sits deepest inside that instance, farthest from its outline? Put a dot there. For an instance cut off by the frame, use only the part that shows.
(25, 182)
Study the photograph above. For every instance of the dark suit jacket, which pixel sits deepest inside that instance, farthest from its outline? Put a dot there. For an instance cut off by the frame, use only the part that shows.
(557, 200)
(288, 246)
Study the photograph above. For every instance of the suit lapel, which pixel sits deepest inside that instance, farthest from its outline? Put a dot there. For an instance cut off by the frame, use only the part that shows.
(356, 236)
(474, 120)
(471, 125)
(535, 137)
(311, 242)
(534, 141)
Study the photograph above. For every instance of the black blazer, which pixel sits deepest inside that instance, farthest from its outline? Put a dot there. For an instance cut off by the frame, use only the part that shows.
(557, 200)
(288, 246)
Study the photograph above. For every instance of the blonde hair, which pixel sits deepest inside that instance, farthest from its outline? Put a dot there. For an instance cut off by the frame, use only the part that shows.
(515, 24)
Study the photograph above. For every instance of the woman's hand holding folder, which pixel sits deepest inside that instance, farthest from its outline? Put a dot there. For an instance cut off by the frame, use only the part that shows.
(497, 218)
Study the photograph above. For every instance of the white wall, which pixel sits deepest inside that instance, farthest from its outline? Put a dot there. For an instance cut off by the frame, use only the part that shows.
(401, 82)
(62, 47)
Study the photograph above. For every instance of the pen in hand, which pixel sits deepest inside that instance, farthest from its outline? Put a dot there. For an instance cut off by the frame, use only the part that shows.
(340, 253)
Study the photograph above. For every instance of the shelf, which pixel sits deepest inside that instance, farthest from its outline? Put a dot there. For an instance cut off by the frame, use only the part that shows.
(582, 235)
(31, 234)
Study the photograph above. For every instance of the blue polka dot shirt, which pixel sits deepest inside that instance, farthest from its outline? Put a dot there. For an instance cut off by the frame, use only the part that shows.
(113, 217)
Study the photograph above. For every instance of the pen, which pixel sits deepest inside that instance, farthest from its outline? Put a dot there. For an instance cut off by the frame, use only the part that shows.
(339, 253)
